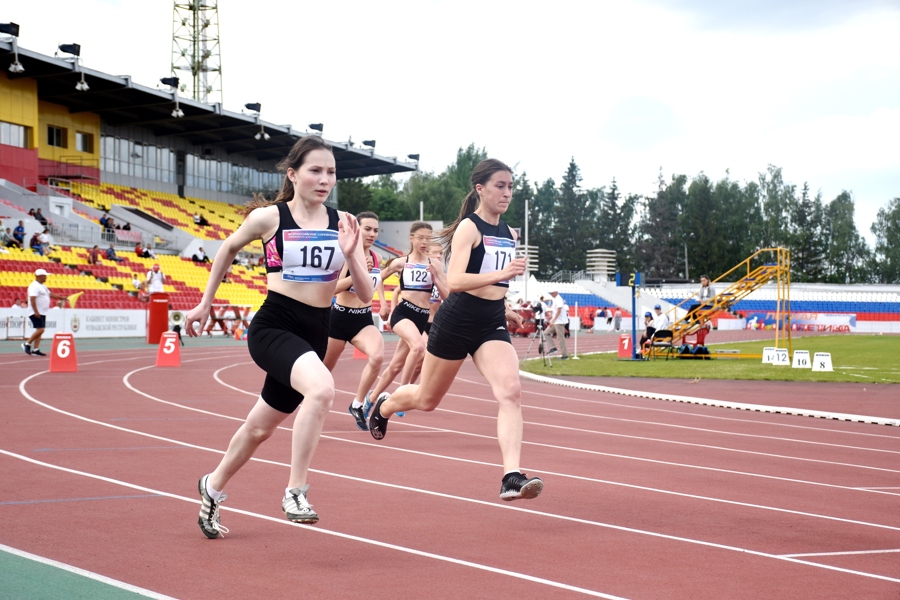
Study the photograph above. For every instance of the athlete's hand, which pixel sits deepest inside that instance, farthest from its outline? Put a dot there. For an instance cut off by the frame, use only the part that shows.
(199, 314)
(370, 263)
(385, 311)
(515, 268)
(348, 235)
(514, 317)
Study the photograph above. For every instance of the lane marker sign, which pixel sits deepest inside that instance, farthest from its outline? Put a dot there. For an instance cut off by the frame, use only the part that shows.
(768, 355)
(169, 353)
(822, 361)
(62, 354)
(801, 360)
(781, 358)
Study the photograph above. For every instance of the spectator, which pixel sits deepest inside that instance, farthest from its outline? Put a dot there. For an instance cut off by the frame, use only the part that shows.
(200, 220)
(39, 296)
(143, 289)
(31, 213)
(40, 217)
(649, 329)
(705, 294)
(661, 322)
(200, 257)
(35, 244)
(155, 279)
(617, 320)
(45, 240)
(599, 318)
(19, 234)
(19, 303)
(94, 256)
(10, 241)
(556, 323)
(104, 219)
(609, 318)
(569, 320)
(111, 254)
(149, 251)
(126, 227)
(141, 252)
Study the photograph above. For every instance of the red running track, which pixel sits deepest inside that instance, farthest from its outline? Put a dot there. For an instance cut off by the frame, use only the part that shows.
(644, 499)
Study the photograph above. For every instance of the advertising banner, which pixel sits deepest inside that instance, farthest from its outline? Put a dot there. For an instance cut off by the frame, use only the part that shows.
(82, 323)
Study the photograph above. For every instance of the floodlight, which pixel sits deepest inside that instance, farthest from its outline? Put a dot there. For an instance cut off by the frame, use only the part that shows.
(16, 67)
(412, 156)
(73, 49)
(317, 127)
(82, 85)
(10, 29)
(177, 113)
(254, 106)
(369, 143)
(261, 134)
(258, 135)
(169, 81)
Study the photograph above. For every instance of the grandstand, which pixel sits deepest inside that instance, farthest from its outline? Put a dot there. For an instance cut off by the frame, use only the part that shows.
(119, 150)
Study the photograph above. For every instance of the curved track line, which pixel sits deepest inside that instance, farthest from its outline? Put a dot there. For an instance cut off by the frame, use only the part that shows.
(323, 531)
(800, 412)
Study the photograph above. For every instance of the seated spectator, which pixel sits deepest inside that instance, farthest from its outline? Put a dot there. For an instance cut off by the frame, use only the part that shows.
(31, 213)
(111, 254)
(19, 303)
(104, 219)
(200, 220)
(649, 329)
(661, 321)
(9, 240)
(35, 244)
(141, 252)
(705, 294)
(19, 234)
(149, 251)
(143, 291)
(200, 256)
(40, 217)
(94, 256)
(126, 227)
(45, 239)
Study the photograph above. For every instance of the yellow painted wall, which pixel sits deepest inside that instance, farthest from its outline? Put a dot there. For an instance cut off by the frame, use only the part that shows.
(19, 104)
(59, 116)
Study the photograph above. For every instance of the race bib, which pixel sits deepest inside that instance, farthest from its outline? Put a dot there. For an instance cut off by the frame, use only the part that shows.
(311, 255)
(416, 277)
(375, 274)
(498, 252)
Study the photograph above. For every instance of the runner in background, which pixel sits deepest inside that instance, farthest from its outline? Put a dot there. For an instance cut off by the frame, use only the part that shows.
(351, 320)
(435, 252)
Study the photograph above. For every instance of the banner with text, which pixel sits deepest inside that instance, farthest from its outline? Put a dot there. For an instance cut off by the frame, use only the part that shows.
(82, 323)
(805, 321)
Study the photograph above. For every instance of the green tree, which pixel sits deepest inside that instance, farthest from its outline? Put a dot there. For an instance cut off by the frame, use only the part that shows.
(740, 223)
(776, 199)
(574, 232)
(354, 195)
(659, 246)
(540, 225)
(700, 229)
(846, 252)
(887, 242)
(807, 247)
(615, 227)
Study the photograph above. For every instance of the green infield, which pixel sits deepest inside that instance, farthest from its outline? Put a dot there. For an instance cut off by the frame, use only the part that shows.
(855, 358)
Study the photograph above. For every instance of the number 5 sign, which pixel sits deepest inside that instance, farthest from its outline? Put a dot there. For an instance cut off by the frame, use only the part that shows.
(169, 353)
(62, 354)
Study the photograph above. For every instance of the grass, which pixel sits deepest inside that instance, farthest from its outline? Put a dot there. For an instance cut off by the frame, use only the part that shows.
(856, 358)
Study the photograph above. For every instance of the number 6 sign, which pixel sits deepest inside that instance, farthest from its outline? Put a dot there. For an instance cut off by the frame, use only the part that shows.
(62, 354)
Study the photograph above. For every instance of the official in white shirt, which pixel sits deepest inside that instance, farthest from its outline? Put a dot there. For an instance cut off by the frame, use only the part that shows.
(155, 280)
(661, 321)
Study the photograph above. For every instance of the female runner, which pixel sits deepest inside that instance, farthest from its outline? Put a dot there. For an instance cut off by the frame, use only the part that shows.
(351, 319)
(436, 253)
(473, 320)
(306, 244)
(418, 275)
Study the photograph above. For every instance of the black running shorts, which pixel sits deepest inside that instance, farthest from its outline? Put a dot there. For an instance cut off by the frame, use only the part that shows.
(347, 322)
(281, 332)
(408, 310)
(38, 322)
(463, 323)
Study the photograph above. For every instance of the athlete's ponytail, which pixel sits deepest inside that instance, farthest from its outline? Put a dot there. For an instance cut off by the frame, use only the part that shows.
(480, 176)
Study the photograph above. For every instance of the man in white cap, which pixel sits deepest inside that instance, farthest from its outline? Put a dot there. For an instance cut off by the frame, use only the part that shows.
(39, 296)
(661, 322)
(155, 279)
(557, 320)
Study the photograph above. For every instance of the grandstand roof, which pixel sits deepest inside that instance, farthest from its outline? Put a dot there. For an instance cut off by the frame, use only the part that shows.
(121, 102)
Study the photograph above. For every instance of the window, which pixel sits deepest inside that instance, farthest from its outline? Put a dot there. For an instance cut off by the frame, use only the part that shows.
(84, 142)
(13, 135)
(56, 136)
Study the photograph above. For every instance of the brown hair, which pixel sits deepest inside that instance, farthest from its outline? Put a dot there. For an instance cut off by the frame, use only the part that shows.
(294, 160)
(480, 176)
(416, 226)
(367, 215)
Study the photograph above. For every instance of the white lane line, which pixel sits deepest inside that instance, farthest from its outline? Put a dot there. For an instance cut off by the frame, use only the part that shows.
(480, 502)
(89, 574)
(848, 553)
(690, 428)
(801, 412)
(322, 531)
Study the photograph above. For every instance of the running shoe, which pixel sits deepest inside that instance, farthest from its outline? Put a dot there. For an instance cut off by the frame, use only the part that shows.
(367, 404)
(552, 350)
(402, 413)
(37, 352)
(517, 486)
(26, 348)
(209, 512)
(378, 423)
(357, 413)
(296, 507)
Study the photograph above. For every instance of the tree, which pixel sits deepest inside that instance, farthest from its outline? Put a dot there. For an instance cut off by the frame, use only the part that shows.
(615, 227)
(846, 252)
(807, 247)
(740, 223)
(887, 242)
(776, 199)
(540, 225)
(574, 232)
(659, 244)
(354, 196)
(700, 229)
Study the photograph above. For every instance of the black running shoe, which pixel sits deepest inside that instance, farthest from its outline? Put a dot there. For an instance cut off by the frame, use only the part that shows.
(37, 352)
(552, 350)
(378, 423)
(517, 486)
(360, 417)
(26, 348)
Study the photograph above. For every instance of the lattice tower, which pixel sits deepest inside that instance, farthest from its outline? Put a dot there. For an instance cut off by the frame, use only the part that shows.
(195, 49)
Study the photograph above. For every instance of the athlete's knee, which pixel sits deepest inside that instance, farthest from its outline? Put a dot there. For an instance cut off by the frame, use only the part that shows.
(510, 393)
(256, 433)
(376, 361)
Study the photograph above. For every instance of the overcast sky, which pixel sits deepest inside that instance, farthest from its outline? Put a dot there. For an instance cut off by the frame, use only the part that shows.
(625, 87)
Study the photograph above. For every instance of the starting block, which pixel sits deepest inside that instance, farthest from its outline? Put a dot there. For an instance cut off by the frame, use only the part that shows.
(62, 354)
(169, 353)
(801, 360)
(822, 362)
(768, 355)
